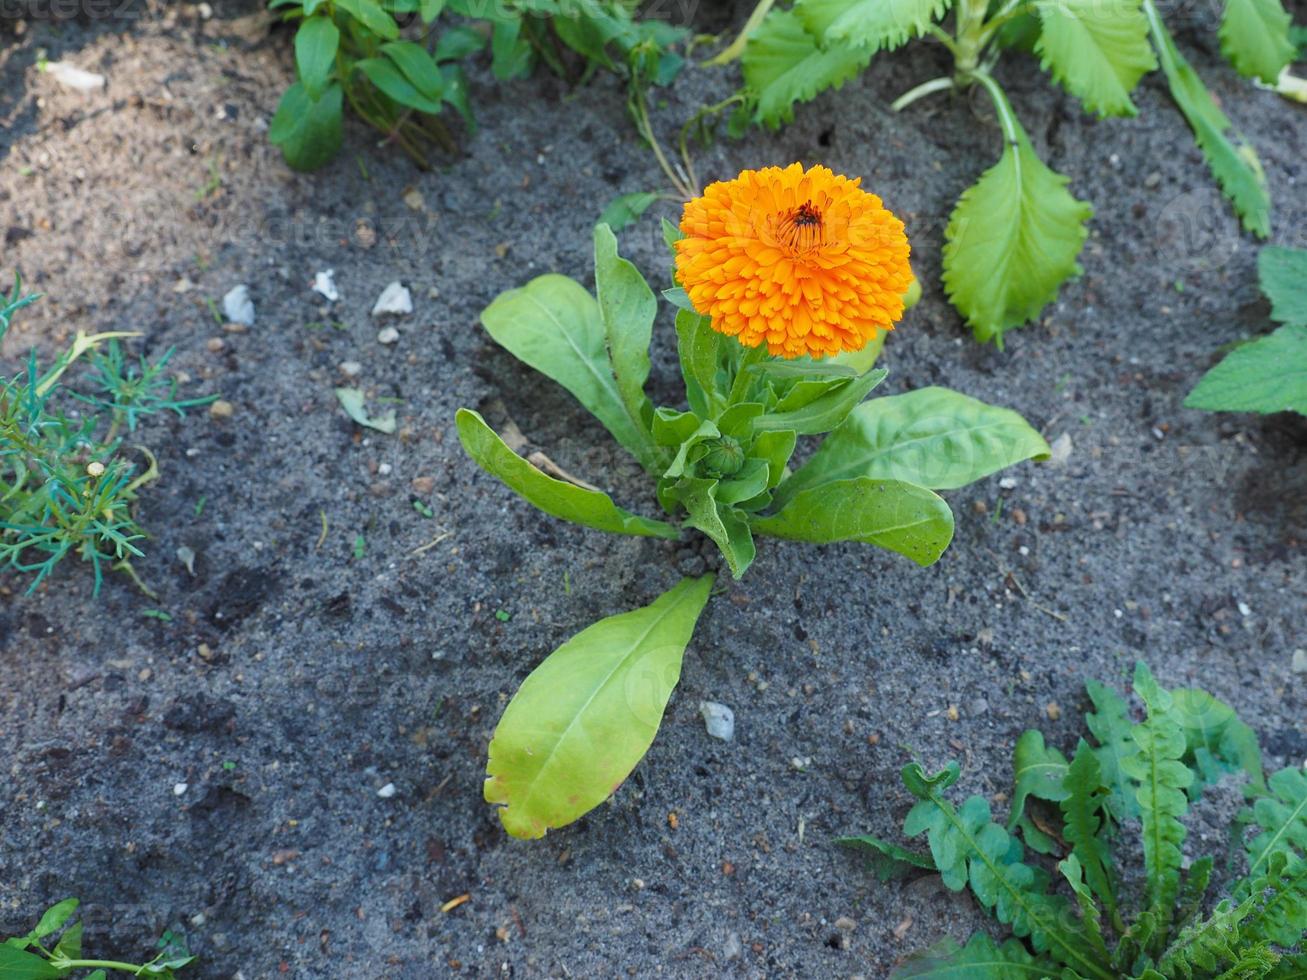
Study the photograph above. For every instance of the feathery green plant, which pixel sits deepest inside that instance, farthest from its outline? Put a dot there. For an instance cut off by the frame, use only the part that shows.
(1148, 772)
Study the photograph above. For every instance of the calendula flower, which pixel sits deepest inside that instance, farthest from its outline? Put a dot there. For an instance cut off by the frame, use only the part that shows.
(806, 262)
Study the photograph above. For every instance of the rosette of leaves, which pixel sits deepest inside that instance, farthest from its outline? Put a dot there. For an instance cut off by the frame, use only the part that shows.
(1134, 774)
(397, 63)
(1016, 235)
(65, 486)
(1268, 374)
(719, 465)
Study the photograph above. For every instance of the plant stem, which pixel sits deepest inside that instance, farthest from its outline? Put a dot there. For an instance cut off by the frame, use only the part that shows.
(1012, 131)
(61, 964)
(922, 90)
(640, 113)
(970, 34)
(736, 47)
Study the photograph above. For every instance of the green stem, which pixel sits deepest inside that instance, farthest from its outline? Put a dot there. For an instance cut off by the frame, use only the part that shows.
(970, 34)
(922, 90)
(736, 47)
(62, 964)
(1012, 130)
(743, 377)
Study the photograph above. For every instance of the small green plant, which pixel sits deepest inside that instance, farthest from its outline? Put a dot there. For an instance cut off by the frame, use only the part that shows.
(1016, 235)
(1268, 374)
(65, 488)
(583, 719)
(397, 62)
(31, 957)
(1079, 923)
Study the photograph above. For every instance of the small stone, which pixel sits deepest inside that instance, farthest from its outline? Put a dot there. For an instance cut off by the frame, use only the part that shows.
(978, 707)
(952, 713)
(1245, 609)
(324, 283)
(423, 484)
(1053, 710)
(413, 199)
(205, 651)
(394, 300)
(180, 789)
(733, 948)
(718, 719)
(1008, 483)
(237, 306)
(74, 78)
(1153, 180)
(351, 369)
(1060, 450)
(387, 791)
(215, 345)
(388, 335)
(385, 469)
(234, 328)
(186, 556)
(845, 924)
(1299, 662)
(221, 409)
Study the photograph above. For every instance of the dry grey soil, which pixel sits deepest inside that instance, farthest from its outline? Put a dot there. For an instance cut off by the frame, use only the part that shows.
(295, 680)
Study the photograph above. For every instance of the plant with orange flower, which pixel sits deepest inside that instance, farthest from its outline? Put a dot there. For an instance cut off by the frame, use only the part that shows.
(787, 282)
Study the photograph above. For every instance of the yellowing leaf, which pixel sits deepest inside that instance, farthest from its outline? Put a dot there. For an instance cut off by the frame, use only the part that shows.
(1097, 50)
(1255, 37)
(586, 716)
(1014, 237)
(784, 64)
(871, 24)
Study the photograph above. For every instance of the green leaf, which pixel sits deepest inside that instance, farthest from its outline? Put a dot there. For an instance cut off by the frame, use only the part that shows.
(1281, 917)
(826, 412)
(728, 529)
(1090, 919)
(980, 959)
(315, 54)
(625, 209)
(352, 401)
(1283, 275)
(627, 307)
(586, 716)
(429, 10)
(16, 964)
(1280, 814)
(1233, 161)
(776, 448)
(933, 437)
(1162, 778)
(307, 130)
(1082, 827)
(382, 73)
(1111, 726)
(1013, 238)
(1266, 375)
(1097, 51)
(511, 54)
(1038, 770)
(889, 861)
(872, 24)
(700, 350)
(458, 43)
(70, 943)
(372, 16)
(556, 497)
(54, 918)
(1216, 741)
(783, 64)
(417, 67)
(1255, 37)
(1213, 944)
(910, 520)
(555, 326)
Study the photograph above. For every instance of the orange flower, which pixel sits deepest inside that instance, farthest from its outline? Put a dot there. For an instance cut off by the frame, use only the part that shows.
(804, 261)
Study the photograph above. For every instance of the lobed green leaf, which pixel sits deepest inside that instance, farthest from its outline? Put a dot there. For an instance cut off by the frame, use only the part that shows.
(784, 63)
(1097, 49)
(872, 24)
(980, 959)
(1255, 37)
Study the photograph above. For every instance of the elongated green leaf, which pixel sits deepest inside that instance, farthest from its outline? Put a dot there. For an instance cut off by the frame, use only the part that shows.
(627, 307)
(1013, 238)
(1255, 37)
(969, 848)
(1090, 918)
(1097, 50)
(1267, 375)
(587, 715)
(383, 73)
(1283, 275)
(1082, 827)
(53, 919)
(783, 64)
(418, 68)
(556, 497)
(933, 437)
(625, 209)
(1110, 724)
(826, 412)
(315, 54)
(889, 861)
(17, 964)
(700, 350)
(1038, 770)
(980, 959)
(372, 16)
(458, 43)
(1162, 779)
(910, 520)
(727, 527)
(1233, 161)
(554, 325)
(307, 130)
(1216, 741)
(872, 24)
(511, 54)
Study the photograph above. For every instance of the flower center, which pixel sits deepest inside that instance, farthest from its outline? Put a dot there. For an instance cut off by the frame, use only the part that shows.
(802, 228)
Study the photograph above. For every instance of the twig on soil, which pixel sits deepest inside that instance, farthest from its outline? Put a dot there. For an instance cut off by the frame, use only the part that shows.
(547, 464)
(323, 536)
(1011, 576)
(454, 903)
(431, 544)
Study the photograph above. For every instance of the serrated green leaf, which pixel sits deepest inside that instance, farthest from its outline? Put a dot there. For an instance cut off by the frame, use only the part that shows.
(1090, 918)
(783, 64)
(980, 959)
(1216, 741)
(932, 437)
(1281, 917)
(888, 861)
(586, 716)
(1038, 770)
(1110, 724)
(1013, 238)
(316, 43)
(910, 520)
(554, 325)
(872, 24)
(627, 307)
(1213, 944)
(1283, 276)
(1266, 375)
(1280, 814)
(1233, 161)
(1082, 827)
(308, 131)
(1098, 51)
(1255, 37)
(558, 498)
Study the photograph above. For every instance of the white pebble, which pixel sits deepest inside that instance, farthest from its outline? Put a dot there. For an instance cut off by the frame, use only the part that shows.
(1245, 609)
(394, 299)
(388, 335)
(77, 79)
(1060, 450)
(325, 283)
(1007, 483)
(718, 719)
(180, 789)
(387, 791)
(385, 469)
(237, 306)
(351, 369)
(1299, 662)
